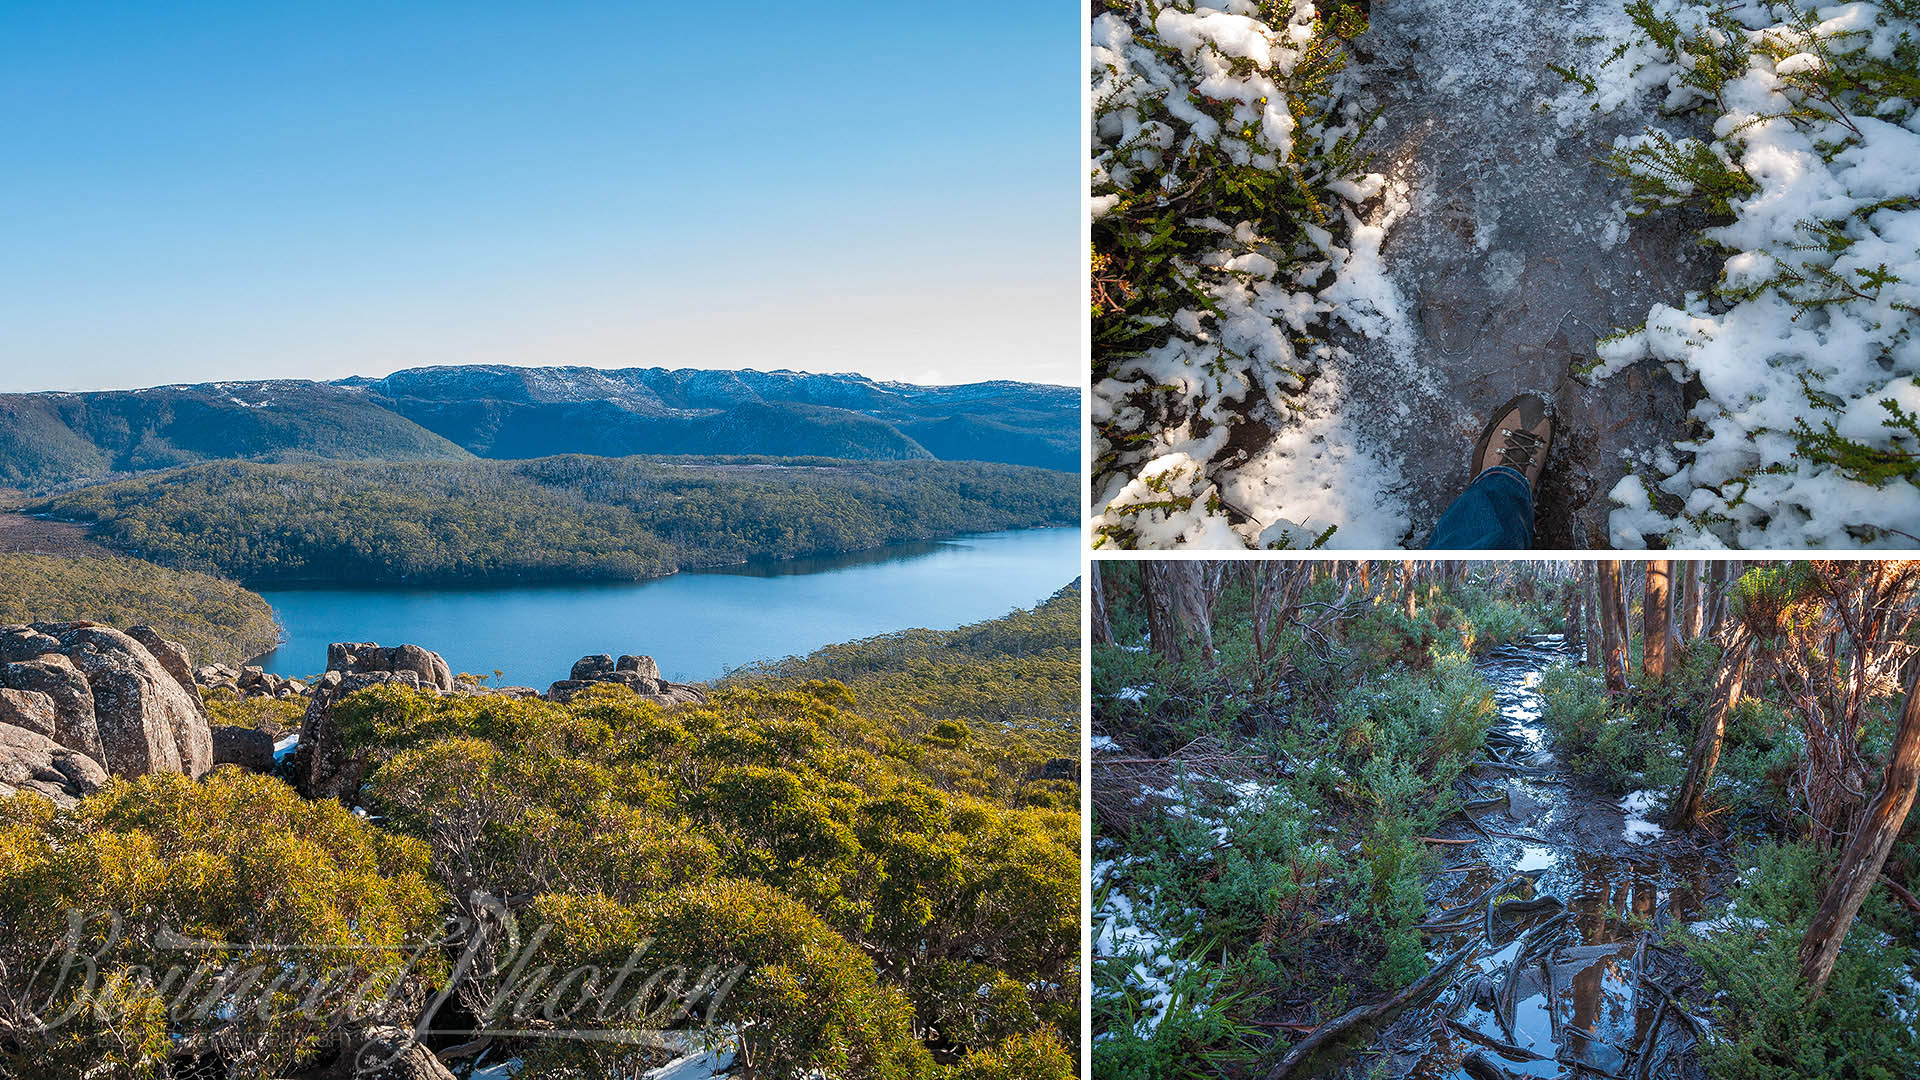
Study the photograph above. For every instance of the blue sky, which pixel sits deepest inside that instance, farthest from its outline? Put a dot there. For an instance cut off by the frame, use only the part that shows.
(200, 191)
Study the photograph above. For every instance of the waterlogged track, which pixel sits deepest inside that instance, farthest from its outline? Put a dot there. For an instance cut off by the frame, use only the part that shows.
(1558, 914)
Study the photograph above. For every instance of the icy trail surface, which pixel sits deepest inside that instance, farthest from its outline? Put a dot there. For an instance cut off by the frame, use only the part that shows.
(1507, 256)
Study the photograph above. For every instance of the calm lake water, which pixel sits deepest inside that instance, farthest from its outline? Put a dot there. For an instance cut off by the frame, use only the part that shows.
(697, 624)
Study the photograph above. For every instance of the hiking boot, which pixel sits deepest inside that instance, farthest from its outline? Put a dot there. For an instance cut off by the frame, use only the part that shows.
(1517, 437)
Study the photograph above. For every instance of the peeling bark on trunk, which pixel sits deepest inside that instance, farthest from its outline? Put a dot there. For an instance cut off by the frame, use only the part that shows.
(1705, 755)
(1179, 623)
(1867, 851)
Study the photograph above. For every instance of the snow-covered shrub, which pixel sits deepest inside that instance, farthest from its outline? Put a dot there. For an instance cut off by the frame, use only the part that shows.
(1222, 166)
(1804, 432)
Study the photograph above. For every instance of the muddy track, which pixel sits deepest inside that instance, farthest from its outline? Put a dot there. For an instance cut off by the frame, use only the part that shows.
(1560, 915)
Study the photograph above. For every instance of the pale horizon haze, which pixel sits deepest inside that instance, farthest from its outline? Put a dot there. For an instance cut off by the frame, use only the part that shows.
(213, 191)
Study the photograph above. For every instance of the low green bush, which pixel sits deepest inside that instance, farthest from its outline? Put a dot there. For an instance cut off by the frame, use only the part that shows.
(1862, 1026)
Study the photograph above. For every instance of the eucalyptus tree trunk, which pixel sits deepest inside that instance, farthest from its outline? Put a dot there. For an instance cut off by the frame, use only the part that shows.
(1179, 620)
(1867, 852)
(1656, 621)
(1719, 576)
(1589, 614)
(1705, 756)
(1692, 606)
(1613, 625)
(1575, 633)
(1097, 607)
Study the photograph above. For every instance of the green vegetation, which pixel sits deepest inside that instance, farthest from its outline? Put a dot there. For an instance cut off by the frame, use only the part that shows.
(218, 621)
(563, 518)
(1782, 99)
(275, 716)
(1862, 1026)
(1804, 748)
(237, 861)
(1219, 177)
(1257, 841)
(1016, 678)
(898, 891)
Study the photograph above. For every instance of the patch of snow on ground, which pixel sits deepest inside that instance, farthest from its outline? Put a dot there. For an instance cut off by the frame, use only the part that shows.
(1636, 805)
(1104, 744)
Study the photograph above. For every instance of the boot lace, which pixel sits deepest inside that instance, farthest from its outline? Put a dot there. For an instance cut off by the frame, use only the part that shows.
(1520, 447)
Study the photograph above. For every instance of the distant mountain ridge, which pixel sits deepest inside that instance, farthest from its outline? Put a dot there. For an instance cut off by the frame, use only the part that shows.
(499, 411)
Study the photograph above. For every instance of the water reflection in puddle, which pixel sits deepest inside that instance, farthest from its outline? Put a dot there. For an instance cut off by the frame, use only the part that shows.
(1552, 990)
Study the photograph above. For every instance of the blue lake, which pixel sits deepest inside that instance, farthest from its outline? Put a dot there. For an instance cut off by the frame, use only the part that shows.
(698, 624)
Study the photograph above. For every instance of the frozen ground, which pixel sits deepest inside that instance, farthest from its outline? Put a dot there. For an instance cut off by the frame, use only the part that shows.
(1510, 256)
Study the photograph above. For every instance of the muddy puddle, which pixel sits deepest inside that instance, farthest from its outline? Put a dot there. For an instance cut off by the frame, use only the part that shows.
(1561, 977)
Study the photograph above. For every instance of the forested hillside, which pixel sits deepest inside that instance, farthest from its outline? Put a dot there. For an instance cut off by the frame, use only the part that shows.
(891, 895)
(53, 439)
(214, 619)
(506, 412)
(1018, 675)
(1534, 818)
(563, 518)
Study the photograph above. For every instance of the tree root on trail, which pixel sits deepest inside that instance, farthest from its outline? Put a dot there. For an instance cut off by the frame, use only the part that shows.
(1478, 1066)
(1353, 1018)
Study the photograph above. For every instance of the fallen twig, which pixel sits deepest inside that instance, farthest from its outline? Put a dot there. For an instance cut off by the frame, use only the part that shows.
(1354, 1017)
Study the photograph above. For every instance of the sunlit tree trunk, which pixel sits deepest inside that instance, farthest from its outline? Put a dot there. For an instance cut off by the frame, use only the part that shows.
(1705, 755)
(1722, 572)
(1097, 607)
(1868, 849)
(1179, 623)
(1692, 612)
(1363, 578)
(1589, 615)
(1407, 583)
(1656, 621)
(1613, 625)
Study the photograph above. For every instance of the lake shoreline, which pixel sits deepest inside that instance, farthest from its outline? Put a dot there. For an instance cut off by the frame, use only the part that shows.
(699, 623)
(771, 561)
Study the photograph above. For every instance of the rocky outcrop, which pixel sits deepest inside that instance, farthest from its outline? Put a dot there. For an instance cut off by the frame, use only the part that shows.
(358, 658)
(325, 766)
(638, 673)
(29, 709)
(249, 748)
(80, 700)
(388, 1054)
(248, 681)
(172, 656)
(30, 761)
